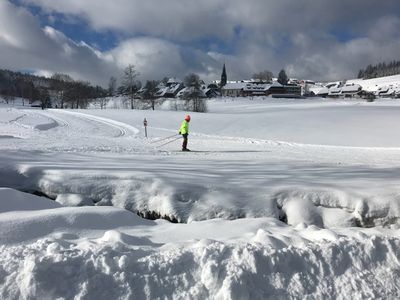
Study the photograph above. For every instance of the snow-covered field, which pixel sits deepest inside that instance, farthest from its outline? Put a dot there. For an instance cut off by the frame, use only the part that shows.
(281, 198)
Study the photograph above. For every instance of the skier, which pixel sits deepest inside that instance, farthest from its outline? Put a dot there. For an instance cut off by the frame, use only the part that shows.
(184, 131)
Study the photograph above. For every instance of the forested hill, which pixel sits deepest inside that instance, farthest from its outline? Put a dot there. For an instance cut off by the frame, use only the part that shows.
(36, 88)
(380, 70)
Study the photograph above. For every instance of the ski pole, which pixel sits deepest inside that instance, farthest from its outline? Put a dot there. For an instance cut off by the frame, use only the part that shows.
(163, 139)
(168, 142)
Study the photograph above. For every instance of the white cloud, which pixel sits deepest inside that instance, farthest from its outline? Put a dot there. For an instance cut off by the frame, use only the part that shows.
(190, 19)
(170, 19)
(157, 58)
(154, 57)
(24, 45)
(302, 36)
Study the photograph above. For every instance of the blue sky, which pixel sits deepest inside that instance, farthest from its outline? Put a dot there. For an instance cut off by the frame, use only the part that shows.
(75, 28)
(96, 39)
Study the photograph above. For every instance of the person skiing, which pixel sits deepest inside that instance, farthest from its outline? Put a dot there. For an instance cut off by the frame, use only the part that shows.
(184, 131)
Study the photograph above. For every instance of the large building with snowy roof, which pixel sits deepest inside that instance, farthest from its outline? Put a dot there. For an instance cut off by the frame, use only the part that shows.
(256, 88)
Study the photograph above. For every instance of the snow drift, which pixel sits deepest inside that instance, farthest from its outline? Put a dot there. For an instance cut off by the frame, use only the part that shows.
(105, 253)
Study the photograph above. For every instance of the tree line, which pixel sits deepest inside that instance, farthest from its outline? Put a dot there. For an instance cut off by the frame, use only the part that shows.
(266, 76)
(61, 88)
(380, 70)
(62, 91)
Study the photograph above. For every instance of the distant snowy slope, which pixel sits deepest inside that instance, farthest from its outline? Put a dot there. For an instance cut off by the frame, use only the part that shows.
(372, 85)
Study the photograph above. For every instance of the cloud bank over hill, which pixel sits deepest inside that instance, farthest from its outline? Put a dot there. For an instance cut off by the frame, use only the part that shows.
(326, 40)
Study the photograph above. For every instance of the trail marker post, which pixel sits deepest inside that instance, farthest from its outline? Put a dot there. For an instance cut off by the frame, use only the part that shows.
(145, 127)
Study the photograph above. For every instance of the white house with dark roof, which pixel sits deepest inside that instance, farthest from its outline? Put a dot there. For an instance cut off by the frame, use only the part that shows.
(233, 89)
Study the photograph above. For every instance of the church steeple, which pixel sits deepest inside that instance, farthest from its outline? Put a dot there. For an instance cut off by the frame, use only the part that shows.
(223, 76)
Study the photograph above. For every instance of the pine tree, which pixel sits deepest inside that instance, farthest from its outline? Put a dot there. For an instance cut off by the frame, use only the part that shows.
(282, 77)
(380, 70)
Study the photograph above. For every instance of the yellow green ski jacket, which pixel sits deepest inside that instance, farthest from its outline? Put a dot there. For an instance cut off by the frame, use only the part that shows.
(184, 127)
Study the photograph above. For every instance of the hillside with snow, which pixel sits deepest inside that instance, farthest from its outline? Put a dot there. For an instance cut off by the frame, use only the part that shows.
(382, 87)
(372, 85)
(279, 198)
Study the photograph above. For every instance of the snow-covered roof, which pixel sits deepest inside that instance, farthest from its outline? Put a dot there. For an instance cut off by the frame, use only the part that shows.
(276, 84)
(182, 92)
(256, 87)
(174, 88)
(234, 86)
(250, 86)
(171, 88)
(320, 91)
(351, 88)
(174, 80)
(162, 91)
(335, 91)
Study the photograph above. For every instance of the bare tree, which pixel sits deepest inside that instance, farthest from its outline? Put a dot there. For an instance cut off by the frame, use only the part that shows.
(112, 86)
(102, 102)
(9, 99)
(130, 84)
(59, 85)
(265, 76)
(44, 98)
(150, 91)
(25, 88)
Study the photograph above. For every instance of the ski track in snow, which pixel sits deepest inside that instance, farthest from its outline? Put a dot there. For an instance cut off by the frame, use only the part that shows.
(64, 118)
(62, 122)
(123, 129)
(71, 131)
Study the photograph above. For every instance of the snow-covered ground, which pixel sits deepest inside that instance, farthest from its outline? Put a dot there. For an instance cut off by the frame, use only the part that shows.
(281, 198)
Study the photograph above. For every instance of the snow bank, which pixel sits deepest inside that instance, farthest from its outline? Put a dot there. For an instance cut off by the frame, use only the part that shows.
(344, 268)
(25, 217)
(145, 186)
(105, 252)
(12, 200)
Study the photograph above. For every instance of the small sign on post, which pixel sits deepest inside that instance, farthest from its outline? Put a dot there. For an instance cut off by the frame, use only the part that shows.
(145, 127)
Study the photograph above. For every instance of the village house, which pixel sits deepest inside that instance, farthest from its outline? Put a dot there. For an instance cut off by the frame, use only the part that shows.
(253, 88)
(170, 89)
